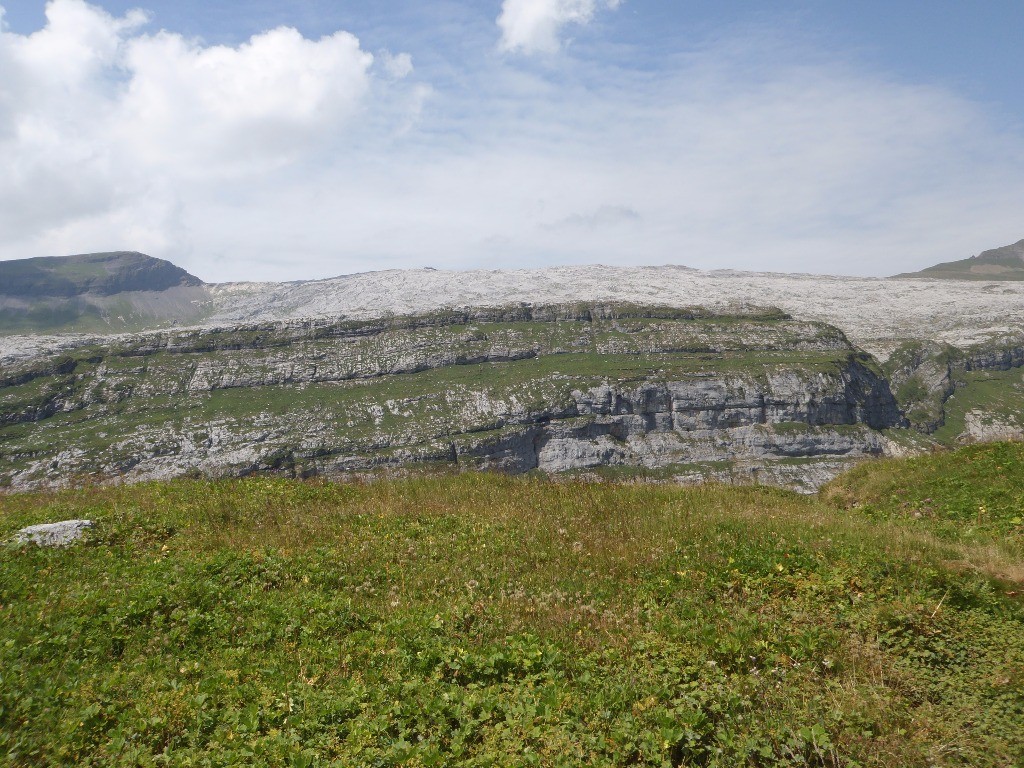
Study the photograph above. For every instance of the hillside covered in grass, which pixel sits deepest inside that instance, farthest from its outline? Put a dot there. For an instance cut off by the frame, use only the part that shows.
(478, 619)
(1006, 263)
(96, 293)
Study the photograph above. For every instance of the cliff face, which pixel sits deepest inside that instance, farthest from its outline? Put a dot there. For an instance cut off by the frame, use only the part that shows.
(970, 394)
(595, 386)
(676, 392)
(787, 414)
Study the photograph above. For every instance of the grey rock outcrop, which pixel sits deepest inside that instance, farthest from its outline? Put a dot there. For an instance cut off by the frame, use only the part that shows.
(921, 375)
(706, 420)
(998, 357)
(60, 534)
(981, 427)
(925, 375)
(564, 389)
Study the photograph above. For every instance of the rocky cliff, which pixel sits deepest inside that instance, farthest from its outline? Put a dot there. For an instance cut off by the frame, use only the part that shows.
(956, 394)
(675, 392)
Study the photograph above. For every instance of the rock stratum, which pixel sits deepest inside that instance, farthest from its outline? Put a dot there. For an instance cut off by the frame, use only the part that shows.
(657, 372)
(673, 392)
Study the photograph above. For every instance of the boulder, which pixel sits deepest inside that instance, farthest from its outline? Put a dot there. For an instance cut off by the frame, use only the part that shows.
(53, 534)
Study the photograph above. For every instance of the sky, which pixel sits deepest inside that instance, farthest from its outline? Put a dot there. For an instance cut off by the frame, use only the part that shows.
(296, 140)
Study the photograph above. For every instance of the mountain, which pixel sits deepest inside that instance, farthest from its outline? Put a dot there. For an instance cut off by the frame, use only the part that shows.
(1006, 263)
(115, 291)
(666, 372)
(102, 274)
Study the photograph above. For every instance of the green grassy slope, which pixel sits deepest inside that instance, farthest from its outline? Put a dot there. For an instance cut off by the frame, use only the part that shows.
(485, 620)
(973, 494)
(1006, 263)
(100, 273)
(120, 291)
(995, 397)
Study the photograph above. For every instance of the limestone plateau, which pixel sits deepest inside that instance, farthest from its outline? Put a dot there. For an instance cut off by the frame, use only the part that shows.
(658, 372)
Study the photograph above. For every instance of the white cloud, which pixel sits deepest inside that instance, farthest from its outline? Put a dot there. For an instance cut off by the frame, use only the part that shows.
(288, 158)
(398, 66)
(244, 108)
(533, 26)
(95, 115)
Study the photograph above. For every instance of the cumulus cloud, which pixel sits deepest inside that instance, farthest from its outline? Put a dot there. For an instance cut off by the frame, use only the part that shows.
(533, 26)
(286, 158)
(246, 107)
(97, 116)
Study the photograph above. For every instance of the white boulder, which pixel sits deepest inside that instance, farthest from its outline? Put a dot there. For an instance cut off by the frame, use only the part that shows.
(53, 534)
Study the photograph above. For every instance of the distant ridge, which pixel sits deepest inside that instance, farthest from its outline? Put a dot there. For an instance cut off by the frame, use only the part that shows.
(1006, 263)
(97, 292)
(102, 274)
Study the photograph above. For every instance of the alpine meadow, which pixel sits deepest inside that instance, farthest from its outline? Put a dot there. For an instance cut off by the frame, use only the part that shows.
(555, 383)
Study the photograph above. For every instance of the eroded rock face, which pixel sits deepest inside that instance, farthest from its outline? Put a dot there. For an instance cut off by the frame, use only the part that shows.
(925, 375)
(715, 419)
(577, 388)
(921, 375)
(999, 359)
(981, 427)
(834, 418)
(853, 395)
(687, 422)
(59, 534)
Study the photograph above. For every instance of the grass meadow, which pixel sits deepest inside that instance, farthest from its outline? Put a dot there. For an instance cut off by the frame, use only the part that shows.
(482, 620)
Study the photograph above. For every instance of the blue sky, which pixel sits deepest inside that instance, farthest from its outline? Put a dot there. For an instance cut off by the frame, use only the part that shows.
(268, 140)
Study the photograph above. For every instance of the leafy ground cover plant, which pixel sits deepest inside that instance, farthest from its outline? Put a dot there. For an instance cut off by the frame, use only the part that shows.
(482, 620)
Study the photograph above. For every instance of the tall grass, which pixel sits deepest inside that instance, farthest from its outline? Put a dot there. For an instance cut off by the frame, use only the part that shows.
(478, 619)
